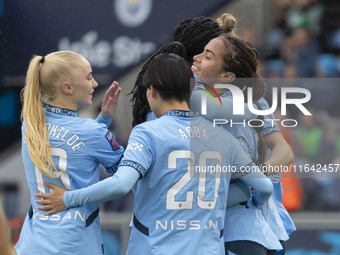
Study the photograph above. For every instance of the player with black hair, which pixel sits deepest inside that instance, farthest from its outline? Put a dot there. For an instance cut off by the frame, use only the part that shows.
(233, 61)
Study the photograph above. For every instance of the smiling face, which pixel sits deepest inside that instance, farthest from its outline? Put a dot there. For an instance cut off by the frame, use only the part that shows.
(83, 85)
(209, 64)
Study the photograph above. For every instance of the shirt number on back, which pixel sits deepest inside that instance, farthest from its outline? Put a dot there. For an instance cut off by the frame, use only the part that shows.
(62, 164)
(171, 203)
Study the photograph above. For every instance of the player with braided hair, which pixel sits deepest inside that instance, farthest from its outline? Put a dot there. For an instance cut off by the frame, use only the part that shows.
(274, 139)
(140, 105)
(231, 60)
(278, 151)
(193, 34)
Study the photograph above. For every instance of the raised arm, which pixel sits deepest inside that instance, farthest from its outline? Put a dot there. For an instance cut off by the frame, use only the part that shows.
(109, 105)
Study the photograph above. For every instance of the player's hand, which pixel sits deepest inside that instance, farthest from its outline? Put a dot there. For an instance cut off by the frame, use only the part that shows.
(110, 100)
(52, 202)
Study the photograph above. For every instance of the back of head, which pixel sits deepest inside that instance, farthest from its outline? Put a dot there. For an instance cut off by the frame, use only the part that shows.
(170, 75)
(44, 76)
(58, 67)
(140, 105)
(195, 33)
(227, 23)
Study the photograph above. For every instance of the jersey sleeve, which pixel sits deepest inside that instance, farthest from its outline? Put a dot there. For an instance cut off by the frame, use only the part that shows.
(270, 124)
(251, 174)
(238, 192)
(105, 149)
(139, 152)
(107, 189)
(106, 122)
(262, 185)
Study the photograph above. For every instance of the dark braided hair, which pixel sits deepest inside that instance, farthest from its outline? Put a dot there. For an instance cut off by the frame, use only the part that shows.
(140, 105)
(189, 39)
(241, 59)
(195, 34)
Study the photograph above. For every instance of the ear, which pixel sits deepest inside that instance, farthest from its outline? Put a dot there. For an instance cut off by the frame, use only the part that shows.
(67, 88)
(228, 77)
(153, 91)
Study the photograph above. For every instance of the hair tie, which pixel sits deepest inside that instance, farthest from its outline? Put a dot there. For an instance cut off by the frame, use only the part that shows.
(42, 60)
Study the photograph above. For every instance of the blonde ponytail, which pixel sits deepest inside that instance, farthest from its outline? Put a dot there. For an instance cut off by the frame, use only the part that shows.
(33, 114)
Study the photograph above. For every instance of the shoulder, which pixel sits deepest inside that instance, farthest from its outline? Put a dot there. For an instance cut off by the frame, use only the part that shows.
(91, 124)
(263, 103)
(88, 128)
(215, 132)
(143, 131)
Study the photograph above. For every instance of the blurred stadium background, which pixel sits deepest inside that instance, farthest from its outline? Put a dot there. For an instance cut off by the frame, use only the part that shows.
(295, 38)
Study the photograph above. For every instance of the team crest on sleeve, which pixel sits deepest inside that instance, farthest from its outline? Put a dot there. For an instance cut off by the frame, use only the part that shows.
(134, 146)
(115, 146)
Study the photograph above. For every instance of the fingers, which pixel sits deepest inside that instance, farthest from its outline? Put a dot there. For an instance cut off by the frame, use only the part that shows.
(50, 185)
(112, 89)
(42, 196)
(47, 206)
(113, 98)
(118, 93)
(113, 92)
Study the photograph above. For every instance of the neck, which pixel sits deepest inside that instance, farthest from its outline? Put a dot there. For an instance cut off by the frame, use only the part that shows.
(171, 105)
(63, 104)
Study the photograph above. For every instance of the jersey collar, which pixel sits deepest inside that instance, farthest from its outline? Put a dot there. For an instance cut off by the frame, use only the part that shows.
(181, 113)
(61, 111)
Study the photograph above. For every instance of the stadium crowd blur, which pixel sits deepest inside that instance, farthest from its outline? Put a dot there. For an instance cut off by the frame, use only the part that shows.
(303, 50)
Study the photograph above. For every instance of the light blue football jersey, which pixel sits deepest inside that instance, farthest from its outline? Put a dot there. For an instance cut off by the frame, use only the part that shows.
(78, 146)
(179, 205)
(275, 201)
(246, 222)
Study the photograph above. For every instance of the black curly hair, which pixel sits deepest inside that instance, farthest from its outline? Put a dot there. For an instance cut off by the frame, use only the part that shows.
(189, 39)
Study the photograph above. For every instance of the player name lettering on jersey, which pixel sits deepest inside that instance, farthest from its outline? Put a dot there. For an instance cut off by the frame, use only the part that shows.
(185, 224)
(193, 131)
(61, 133)
(70, 215)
